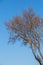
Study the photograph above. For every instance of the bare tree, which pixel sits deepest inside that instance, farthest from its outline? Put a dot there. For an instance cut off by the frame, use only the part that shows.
(29, 28)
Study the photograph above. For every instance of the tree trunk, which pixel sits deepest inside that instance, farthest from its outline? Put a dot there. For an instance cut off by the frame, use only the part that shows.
(41, 63)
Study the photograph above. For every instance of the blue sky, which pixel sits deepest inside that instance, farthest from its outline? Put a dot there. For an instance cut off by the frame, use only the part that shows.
(16, 54)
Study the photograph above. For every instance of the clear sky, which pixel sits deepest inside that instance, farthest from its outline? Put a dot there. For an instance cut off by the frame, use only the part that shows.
(16, 54)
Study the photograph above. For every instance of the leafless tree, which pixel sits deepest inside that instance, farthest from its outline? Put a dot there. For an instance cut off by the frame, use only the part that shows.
(29, 28)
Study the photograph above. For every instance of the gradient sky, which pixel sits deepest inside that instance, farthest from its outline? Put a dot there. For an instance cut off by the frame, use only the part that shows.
(16, 54)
